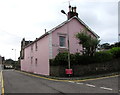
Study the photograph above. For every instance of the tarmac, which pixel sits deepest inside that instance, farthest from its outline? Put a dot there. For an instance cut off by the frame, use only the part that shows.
(0, 79)
(0, 82)
(58, 78)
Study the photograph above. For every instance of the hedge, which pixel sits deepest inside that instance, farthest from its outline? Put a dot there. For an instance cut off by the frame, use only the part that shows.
(77, 59)
(115, 51)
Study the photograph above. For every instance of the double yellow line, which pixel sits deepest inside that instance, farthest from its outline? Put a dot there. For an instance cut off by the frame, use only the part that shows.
(2, 83)
(79, 80)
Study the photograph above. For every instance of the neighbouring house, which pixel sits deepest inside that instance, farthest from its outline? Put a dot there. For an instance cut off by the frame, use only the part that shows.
(35, 54)
(1, 60)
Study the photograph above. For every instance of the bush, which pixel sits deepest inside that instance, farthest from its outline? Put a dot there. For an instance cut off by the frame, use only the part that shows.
(77, 59)
(83, 60)
(60, 59)
(103, 56)
(115, 51)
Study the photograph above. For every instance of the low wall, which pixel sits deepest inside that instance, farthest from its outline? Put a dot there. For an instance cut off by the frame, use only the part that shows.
(86, 70)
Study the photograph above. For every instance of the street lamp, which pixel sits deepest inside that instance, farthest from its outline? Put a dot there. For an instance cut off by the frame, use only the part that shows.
(62, 11)
(15, 54)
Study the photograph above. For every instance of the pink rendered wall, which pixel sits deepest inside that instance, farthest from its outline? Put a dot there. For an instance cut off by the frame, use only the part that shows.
(42, 55)
(48, 47)
(74, 26)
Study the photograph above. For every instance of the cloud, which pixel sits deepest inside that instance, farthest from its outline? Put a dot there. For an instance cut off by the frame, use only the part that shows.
(102, 18)
(29, 18)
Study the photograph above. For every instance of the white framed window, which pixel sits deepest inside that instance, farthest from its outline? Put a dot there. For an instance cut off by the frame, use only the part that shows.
(62, 41)
(36, 47)
(32, 48)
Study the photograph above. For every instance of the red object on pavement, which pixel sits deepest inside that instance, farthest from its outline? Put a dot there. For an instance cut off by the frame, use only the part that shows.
(69, 71)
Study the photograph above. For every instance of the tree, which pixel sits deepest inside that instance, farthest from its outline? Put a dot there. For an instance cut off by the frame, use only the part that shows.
(9, 61)
(89, 43)
(105, 46)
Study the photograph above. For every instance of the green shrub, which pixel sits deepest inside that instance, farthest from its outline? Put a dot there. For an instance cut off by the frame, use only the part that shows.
(61, 59)
(77, 59)
(102, 56)
(83, 60)
(51, 61)
(115, 51)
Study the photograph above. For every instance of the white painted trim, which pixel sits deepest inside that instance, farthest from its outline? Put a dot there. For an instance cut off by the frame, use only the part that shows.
(106, 88)
(50, 46)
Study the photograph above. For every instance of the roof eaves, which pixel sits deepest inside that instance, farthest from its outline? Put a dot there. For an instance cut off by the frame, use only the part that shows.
(86, 26)
(60, 25)
(37, 39)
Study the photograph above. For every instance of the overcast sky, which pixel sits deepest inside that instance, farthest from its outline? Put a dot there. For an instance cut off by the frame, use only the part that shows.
(29, 18)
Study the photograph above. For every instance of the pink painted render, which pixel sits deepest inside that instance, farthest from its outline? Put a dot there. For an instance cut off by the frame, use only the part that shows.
(48, 46)
(42, 55)
(74, 27)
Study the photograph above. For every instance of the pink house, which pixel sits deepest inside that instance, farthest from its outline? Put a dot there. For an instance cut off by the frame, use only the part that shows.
(35, 55)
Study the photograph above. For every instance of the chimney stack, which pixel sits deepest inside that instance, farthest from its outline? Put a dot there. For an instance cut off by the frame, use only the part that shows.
(72, 12)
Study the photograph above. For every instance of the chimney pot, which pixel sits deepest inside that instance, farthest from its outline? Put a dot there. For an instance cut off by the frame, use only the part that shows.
(75, 9)
(45, 30)
(72, 9)
(69, 8)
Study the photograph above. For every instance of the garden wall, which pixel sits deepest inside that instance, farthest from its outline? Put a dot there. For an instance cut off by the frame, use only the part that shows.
(88, 69)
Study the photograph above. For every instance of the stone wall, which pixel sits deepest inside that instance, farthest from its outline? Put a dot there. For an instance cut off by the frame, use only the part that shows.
(86, 70)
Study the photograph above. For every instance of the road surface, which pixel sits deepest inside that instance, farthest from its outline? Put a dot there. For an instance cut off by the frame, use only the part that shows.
(18, 82)
(0, 78)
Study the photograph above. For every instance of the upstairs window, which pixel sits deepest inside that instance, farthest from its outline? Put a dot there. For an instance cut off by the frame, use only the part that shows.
(36, 47)
(36, 61)
(62, 41)
(32, 48)
(31, 60)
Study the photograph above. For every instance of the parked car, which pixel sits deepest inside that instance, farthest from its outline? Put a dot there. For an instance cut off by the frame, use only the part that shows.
(8, 67)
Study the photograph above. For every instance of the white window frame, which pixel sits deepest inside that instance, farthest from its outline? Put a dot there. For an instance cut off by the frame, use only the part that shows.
(64, 41)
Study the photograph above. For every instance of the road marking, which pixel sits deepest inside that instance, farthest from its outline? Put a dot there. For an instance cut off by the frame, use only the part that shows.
(106, 88)
(79, 83)
(96, 78)
(90, 85)
(66, 80)
(0, 76)
(40, 76)
(2, 81)
(71, 81)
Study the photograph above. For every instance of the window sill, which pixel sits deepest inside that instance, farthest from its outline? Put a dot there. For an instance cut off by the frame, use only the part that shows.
(63, 47)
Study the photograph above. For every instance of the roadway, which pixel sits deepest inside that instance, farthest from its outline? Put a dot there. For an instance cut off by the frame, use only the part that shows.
(0, 78)
(19, 82)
